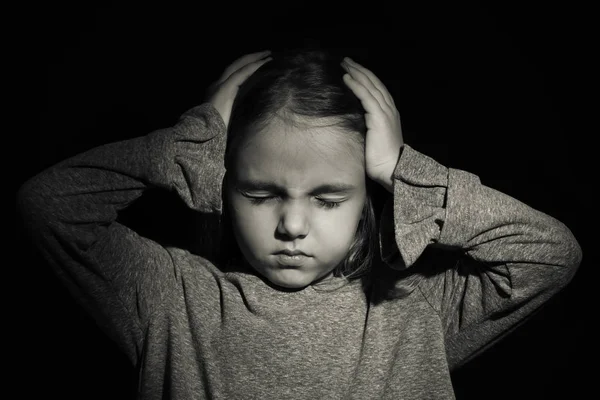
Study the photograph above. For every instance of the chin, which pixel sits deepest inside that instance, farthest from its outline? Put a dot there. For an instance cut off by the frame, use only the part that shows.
(290, 283)
(291, 279)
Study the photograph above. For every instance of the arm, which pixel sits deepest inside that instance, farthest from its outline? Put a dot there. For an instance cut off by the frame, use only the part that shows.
(70, 212)
(511, 257)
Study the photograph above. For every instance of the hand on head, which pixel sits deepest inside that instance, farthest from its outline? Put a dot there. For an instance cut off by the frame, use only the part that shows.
(384, 130)
(221, 94)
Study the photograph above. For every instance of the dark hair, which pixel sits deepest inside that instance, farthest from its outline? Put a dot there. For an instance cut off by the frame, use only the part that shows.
(303, 86)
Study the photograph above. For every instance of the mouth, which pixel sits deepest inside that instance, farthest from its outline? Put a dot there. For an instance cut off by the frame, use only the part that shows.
(291, 259)
(292, 253)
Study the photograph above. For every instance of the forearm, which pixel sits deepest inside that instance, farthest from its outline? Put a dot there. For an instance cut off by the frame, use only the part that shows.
(83, 194)
(510, 257)
(435, 205)
(70, 212)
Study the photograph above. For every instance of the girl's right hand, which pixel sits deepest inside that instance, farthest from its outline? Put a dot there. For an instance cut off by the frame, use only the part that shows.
(221, 93)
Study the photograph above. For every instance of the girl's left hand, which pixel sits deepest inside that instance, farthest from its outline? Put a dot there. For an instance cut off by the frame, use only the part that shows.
(384, 131)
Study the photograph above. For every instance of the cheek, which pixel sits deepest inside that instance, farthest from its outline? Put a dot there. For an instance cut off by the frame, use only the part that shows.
(340, 226)
(250, 223)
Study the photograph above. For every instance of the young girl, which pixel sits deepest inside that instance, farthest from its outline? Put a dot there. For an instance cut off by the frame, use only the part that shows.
(318, 290)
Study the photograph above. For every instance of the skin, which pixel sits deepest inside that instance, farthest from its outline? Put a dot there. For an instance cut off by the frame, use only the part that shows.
(292, 215)
(384, 129)
(298, 160)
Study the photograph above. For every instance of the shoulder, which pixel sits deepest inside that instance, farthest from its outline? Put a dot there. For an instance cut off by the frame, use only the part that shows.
(191, 264)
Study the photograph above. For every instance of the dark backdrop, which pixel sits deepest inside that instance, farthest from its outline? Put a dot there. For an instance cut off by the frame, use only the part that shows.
(492, 89)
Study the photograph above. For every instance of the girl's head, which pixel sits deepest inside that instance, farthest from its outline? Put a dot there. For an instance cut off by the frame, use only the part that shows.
(295, 172)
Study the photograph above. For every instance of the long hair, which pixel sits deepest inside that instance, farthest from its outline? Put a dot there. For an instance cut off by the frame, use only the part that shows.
(302, 86)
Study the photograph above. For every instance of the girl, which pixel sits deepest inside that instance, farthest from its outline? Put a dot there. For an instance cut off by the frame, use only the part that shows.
(317, 292)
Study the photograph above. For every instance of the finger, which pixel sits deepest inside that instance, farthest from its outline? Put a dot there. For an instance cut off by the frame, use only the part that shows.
(373, 79)
(239, 76)
(241, 62)
(363, 79)
(366, 97)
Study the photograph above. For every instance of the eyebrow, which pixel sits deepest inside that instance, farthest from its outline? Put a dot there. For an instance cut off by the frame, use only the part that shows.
(274, 188)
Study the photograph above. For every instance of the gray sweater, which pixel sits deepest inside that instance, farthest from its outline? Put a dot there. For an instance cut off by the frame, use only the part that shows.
(195, 330)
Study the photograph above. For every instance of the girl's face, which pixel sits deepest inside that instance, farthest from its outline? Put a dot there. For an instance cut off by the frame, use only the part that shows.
(297, 190)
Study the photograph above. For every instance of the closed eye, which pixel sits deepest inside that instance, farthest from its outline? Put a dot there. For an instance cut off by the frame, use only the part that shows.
(327, 204)
(259, 200)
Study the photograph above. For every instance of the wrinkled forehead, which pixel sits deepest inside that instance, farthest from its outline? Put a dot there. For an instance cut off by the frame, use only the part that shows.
(319, 148)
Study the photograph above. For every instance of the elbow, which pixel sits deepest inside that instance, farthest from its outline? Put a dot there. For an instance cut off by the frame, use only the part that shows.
(30, 198)
(576, 256)
(27, 190)
(570, 253)
(25, 193)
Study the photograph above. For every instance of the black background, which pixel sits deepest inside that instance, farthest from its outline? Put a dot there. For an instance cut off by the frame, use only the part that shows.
(492, 88)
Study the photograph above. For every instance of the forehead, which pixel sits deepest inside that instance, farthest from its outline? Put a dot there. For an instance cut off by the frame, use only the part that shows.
(297, 156)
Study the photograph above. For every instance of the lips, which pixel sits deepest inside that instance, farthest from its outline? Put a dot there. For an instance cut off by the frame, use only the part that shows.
(292, 253)
(286, 261)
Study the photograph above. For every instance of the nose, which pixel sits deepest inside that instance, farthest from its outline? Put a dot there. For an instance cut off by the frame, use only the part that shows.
(293, 222)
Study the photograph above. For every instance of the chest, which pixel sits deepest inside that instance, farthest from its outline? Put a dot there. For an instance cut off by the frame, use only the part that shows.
(334, 348)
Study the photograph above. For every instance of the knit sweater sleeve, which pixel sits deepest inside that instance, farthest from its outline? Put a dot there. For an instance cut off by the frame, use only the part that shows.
(70, 211)
(510, 258)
